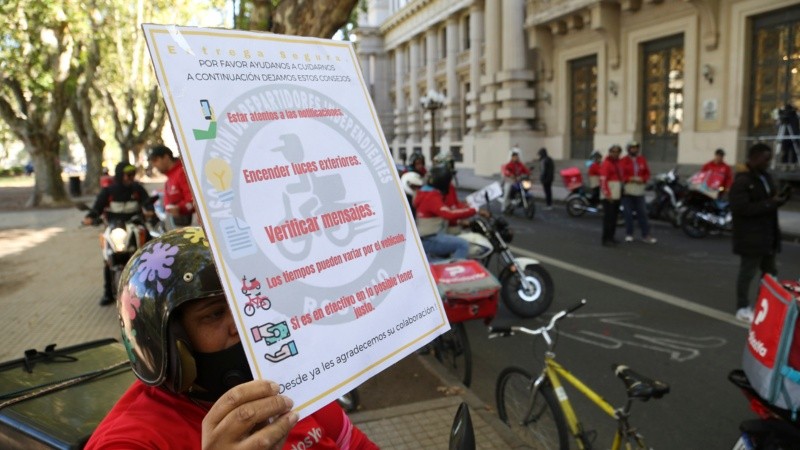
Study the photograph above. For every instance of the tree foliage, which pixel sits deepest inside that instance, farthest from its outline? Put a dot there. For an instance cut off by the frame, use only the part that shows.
(40, 60)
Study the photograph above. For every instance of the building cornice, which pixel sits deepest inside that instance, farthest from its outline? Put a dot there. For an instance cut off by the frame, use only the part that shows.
(419, 16)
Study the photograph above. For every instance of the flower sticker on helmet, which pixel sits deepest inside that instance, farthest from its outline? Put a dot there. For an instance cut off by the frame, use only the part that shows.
(195, 235)
(155, 264)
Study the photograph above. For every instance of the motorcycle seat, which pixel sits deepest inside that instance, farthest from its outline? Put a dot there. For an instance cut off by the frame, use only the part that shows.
(639, 386)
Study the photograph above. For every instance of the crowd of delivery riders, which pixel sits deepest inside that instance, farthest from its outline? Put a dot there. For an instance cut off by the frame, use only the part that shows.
(192, 371)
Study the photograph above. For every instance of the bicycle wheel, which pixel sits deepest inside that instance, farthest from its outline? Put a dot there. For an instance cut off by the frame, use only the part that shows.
(546, 427)
(452, 350)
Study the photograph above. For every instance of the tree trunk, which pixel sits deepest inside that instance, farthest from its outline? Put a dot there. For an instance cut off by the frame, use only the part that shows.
(93, 144)
(48, 186)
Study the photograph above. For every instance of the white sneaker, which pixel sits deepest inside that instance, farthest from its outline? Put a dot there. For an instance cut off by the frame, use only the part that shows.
(628, 238)
(650, 240)
(744, 315)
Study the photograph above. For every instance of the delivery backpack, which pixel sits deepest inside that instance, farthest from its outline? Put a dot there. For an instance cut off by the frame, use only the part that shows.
(771, 358)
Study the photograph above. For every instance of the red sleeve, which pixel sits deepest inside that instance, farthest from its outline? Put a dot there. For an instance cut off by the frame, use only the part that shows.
(187, 201)
(604, 172)
(524, 169)
(626, 168)
(644, 170)
(707, 166)
(594, 169)
(504, 170)
(728, 177)
(338, 426)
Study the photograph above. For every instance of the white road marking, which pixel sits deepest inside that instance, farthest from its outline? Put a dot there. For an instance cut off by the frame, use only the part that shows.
(635, 288)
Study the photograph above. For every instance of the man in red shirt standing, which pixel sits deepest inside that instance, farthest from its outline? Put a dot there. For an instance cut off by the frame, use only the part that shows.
(178, 200)
(610, 192)
(719, 170)
(635, 174)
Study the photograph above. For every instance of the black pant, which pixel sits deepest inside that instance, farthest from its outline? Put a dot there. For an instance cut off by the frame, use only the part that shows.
(748, 268)
(107, 281)
(610, 211)
(548, 193)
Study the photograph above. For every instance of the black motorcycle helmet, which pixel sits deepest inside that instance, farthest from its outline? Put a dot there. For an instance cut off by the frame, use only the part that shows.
(166, 273)
(122, 169)
(440, 177)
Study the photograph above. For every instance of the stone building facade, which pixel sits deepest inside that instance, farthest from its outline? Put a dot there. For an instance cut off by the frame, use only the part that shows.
(683, 77)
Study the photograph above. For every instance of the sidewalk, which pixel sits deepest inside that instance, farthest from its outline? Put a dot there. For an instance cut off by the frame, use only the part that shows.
(49, 286)
(788, 216)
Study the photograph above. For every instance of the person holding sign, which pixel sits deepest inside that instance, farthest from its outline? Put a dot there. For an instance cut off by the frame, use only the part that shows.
(635, 174)
(610, 190)
(194, 387)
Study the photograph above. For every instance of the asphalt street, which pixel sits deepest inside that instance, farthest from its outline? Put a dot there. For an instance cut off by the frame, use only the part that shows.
(666, 310)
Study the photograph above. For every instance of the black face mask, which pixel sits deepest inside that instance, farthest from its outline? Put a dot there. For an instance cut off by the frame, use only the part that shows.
(219, 371)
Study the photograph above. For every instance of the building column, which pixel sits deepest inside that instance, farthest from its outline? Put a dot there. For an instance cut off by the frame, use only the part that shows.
(515, 78)
(475, 49)
(492, 54)
(452, 111)
(401, 133)
(431, 57)
(412, 108)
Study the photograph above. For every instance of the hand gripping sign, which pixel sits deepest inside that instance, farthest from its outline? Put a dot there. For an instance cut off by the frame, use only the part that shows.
(302, 205)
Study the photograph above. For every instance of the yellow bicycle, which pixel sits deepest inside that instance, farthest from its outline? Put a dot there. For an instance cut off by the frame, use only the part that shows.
(539, 410)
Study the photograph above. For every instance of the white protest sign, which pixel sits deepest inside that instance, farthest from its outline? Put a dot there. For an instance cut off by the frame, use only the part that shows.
(478, 198)
(302, 205)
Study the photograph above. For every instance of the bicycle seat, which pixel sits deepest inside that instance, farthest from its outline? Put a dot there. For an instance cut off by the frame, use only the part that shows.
(639, 386)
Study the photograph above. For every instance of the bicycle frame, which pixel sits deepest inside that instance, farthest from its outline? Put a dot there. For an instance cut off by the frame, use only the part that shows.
(555, 372)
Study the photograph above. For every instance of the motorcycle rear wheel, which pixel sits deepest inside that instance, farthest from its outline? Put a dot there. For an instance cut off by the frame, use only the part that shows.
(692, 225)
(524, 304)
(576, 206)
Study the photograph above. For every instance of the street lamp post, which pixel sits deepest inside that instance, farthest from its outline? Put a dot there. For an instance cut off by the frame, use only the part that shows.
(432, 101)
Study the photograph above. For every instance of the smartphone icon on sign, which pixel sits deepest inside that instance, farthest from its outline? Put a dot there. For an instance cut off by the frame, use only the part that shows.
(206, 108)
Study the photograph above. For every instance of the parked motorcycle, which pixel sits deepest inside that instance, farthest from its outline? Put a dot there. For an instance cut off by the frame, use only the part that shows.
(521, 196)
(704, 215)
(667, 204)
(774, 429)
(527, 288)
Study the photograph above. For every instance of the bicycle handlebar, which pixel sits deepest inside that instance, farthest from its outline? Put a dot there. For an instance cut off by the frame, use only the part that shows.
(509, 331)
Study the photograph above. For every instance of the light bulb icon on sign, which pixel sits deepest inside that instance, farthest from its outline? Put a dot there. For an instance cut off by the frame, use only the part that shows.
(219, 174)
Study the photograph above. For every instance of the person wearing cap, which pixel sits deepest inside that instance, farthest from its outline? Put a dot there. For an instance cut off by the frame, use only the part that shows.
(719, 170)
(511, 172)
(635, 174)
(178, 200)
(120, 201)
(194, 387)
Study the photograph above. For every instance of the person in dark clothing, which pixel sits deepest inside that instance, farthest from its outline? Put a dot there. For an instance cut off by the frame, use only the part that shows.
(754, 203)
(120, 201)
(789, 147)
(546, 176)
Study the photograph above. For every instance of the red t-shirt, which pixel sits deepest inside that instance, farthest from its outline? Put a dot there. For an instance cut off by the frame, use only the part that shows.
(148, 417)
(722, 171)
(634, 166)
(177, 191)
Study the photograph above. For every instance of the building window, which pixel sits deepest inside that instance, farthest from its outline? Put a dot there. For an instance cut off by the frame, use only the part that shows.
(442, 43)
(583, 108)
(465, 33)
(662, 99)
(776, 67)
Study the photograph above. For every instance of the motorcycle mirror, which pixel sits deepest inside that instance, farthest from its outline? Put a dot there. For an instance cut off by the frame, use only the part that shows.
(462, 434)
